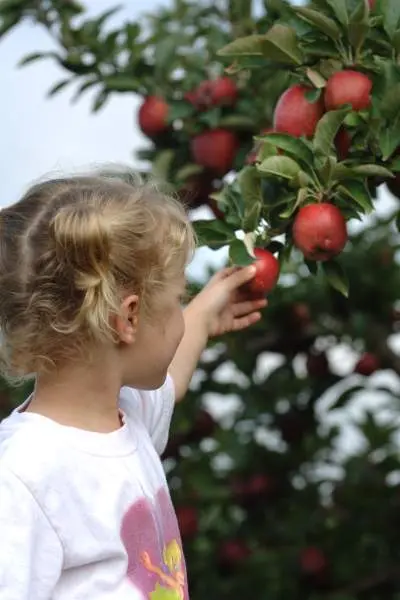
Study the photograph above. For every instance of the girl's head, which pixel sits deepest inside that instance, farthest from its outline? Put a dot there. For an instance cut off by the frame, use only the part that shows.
(87, 262)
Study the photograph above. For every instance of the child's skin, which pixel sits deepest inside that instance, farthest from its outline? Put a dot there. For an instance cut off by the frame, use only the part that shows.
(146, 351)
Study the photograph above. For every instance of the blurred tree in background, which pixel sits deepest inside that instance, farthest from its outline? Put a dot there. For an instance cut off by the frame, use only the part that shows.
(273, 501)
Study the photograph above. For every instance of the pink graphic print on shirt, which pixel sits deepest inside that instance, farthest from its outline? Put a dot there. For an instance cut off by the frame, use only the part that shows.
(152, 541)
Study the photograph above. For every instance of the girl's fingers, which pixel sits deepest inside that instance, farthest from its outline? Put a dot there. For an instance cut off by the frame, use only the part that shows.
(223, 274)
(238, 276)
(244, 308)
(246, 321)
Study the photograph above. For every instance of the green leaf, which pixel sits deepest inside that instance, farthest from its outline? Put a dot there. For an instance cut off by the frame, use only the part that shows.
(245, 46)
(319, 20)
(210, 118)
(266, 151)
(398, 221)
(327, 129)
(237, 122)
(339, 8)
(107, 14)
(391, 16)
(165, 51)
(179, 110)
(302, 179)
(250, 188)
(213, 233)
(188, 171)
(74, 63)
(8, 21)
(360, 13)
(232, 204)
(342, 172)
(100, 100)
(312, 266)
(327, 169)
(239, 255)
(121, 83)
(346, 396)
(294, 146)
(285, 253)
(30, 58)
(372, 171)
(313, 95)
(357, 191)
(280, 44)
(281, 166)
(394, 165)
(336, 277)
(294, 203)
(162, 164)
(357, 34)
(389, 138)
(58, 87)
(396, 40)
(389, 104)
(83, 87)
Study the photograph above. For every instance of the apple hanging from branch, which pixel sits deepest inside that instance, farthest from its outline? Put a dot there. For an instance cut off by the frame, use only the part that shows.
(334, 131)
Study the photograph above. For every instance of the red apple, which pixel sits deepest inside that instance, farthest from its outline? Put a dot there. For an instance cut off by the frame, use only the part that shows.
(367, 364)
(317, 365)
(187, 520)
(348, 87)
(267, 274)
(295, 424)
(319, 231)
(196, 190)
(174, 444)
(223, 92)
(312, 561)
(191, 97)
(152, 116)
(232, 553)
(256, 487)
(300, 315)
(295, 114)
(213, 92)
(215, 150)
(203, 426)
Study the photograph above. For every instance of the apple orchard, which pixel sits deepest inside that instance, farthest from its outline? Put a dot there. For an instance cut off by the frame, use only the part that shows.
(284, 123)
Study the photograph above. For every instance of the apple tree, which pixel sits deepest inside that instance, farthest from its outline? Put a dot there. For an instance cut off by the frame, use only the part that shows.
(284, 459)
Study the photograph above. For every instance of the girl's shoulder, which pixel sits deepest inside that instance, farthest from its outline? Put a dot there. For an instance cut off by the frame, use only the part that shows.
(31, 453)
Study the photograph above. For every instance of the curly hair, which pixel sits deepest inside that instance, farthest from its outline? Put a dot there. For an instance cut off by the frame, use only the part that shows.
(69, 250)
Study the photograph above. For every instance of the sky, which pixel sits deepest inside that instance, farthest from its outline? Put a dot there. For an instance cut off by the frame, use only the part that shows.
(42, 136)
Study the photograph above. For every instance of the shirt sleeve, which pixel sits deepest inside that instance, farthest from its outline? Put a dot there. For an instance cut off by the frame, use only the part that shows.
(155, 410)
(31, 554)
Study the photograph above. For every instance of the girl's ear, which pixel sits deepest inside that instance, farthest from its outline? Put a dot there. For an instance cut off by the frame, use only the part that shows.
(126, 323)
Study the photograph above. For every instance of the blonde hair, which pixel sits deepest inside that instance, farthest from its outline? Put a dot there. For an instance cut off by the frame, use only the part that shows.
(69, 249)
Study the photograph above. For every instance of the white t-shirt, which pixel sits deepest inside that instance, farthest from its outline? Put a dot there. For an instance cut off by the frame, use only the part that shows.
(88, 516)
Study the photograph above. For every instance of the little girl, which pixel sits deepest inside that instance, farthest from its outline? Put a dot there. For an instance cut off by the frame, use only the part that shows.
(91, 287)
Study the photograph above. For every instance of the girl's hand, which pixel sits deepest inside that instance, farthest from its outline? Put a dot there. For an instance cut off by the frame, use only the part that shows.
(224, 306)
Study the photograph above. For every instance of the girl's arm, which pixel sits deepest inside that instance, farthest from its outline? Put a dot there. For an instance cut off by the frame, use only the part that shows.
(219, 308)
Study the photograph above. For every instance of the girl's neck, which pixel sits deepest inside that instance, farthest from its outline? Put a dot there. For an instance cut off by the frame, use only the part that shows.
(81, 396)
